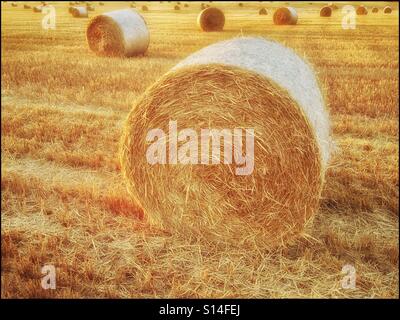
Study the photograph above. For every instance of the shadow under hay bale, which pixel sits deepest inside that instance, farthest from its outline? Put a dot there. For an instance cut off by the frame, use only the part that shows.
(361, 11)
(207, 90)
(211, 19)
(79, 12)
(325, 12)
(262, 12)
(387, 10)
(285, 16)
(118, 33)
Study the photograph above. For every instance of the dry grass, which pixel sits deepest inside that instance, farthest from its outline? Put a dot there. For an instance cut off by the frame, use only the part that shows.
(64, 202)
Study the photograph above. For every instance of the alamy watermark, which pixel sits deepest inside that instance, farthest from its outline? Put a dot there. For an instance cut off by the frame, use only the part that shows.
(190, 147)
(49, 20)
(49, 278)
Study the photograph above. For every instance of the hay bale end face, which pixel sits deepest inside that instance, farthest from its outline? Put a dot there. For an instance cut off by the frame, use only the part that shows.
(118, 33)
(79, 12)
(207, 90)
(211, 19)
(285, 16)
(262, 12)
(325, 12)
(361, 11)
(387, 10)
(375, 10)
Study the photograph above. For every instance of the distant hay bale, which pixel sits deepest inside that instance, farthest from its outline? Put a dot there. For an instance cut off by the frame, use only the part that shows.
(333, 6)
(325, 12)
(239, 83)
(101, 4)
(37, 9)
(240, 4)
(79, 12)
(285, 16)
(362, 11)
(118, 33)
(387, 10)
(202, 6)
(262, 11)
(145, 8)
(375, 10)
(14, 4)
(176, 8)
(186, 5)
(211, 19)
(27, 6)
(133, 6)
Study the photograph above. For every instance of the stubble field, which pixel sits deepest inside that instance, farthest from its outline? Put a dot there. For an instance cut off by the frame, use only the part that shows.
(64, 201)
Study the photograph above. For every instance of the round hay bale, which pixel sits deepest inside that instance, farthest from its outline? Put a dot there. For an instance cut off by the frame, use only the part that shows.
(361, 11)
(133, 6)
(211, 19)
(285, 16)
(101, 4)
(333, 6)
(118, 33)
(14, 4)
(375, 10)
(202, 6)
(240, 4)
(186, 5)
(262, 12)
(79, 12)
(387, 10)
(37, 9)
(89, 7)
(145, 8)
(176, 8)
(325, 12)
(26, 6)
(240, 83)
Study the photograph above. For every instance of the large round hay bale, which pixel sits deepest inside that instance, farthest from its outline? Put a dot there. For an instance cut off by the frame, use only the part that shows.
(118, 33)
(362, 11)
(375, 10)
(285, 16)
(262, 12)
(325, 12)
(211, 19)
(267, 193)
(387, 10)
